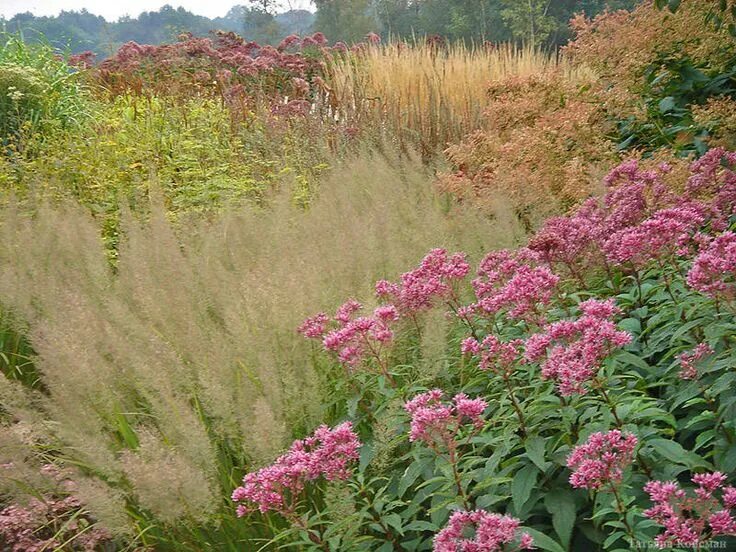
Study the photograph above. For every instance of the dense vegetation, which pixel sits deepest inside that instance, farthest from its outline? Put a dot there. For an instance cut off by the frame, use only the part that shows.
(385, 296)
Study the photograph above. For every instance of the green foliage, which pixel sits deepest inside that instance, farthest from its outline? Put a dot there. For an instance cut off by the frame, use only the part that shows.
(80, 31)
(192, 151)
(39, 92)
(673, 86)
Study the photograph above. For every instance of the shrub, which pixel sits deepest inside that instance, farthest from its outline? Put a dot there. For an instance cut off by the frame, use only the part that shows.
(39, 91)
(544, 131)
(656, 67)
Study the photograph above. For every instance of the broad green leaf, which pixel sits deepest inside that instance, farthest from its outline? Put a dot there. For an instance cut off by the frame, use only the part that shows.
(535, 451)
(561, 504)
(411, 474)
(543, 542)
(522, 485)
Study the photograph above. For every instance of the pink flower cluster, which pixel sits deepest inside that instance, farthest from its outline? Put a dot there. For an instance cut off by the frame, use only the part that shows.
(601, 460)
(574, 349)
(513, 281)
(690, 359)
(495, 355)
(663, 234)
(481, 531)
(433, 279)
(435, 422)
(639, 219)
(713, 269)
(327, 453)
(692, 520)
(711, 173)
(51, 522)
(353, 339)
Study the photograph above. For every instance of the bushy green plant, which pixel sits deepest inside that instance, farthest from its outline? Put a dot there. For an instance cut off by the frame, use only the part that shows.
(40, 91)
(576, 392)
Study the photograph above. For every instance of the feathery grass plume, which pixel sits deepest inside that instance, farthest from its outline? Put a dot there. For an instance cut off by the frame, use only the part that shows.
(179, 363)
(431, 97)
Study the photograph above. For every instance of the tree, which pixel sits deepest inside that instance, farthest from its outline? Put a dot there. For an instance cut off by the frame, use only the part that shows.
(346, 20)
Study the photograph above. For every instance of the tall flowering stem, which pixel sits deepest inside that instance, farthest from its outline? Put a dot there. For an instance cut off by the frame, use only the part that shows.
(573, 350)
(692, 520)
(599, 465)
(490, 533)
(328, 454)
(437, 424)
(355, 339)
(500, 359)
(434, 280)
(514, 283)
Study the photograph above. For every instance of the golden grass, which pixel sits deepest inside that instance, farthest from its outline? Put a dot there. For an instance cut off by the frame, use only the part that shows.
(430, 96)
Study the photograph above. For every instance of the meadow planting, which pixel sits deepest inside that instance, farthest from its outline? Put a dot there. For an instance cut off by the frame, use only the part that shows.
(384, 296)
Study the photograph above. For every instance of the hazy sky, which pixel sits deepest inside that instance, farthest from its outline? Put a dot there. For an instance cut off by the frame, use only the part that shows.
(112, 9)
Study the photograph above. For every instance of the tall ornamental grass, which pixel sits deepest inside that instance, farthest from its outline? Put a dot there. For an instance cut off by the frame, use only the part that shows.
(429, 94)
(160, 380)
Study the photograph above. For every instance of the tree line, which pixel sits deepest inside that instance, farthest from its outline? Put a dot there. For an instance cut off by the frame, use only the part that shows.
(537, 22)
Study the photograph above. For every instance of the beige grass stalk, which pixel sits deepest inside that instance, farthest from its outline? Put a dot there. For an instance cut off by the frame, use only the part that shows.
(432, 96)
(188, 347)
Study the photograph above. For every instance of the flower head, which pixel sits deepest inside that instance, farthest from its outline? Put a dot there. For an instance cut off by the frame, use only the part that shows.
(327, 453)
(692, 520)
(574, 349)
(713, 269)
(513, 282)
(600, 461)
(490, 533)
(436, 422)
(690, 359)
(432, 279)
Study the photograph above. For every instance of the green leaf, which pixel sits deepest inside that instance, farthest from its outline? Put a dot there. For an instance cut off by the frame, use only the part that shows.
(411, 474)
(667, 104)
(421, 526)
(522, 485)
(542, 541)
(535, 451)
(630, 358)
(675, 453)
(561, 504)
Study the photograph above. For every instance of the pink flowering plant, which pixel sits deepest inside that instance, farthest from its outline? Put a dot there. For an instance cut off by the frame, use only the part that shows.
(573, 379)
(281, 487)
(595, 360)
(692, 519)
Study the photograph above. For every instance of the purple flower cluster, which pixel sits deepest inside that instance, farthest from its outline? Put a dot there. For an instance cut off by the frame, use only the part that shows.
(513, 282)
(599, 462)
(690, 359)
(574, 349)
(481, 531)
(432, 279)
(713, 269)
(327, 453)
(436, 422)
(495, 355)
(692, 520)
(352, 338)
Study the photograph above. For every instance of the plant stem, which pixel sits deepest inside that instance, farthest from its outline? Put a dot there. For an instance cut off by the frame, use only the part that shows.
(313, 535)
(611, 406)
(456, 475)
(515, 404)
(621, 507)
